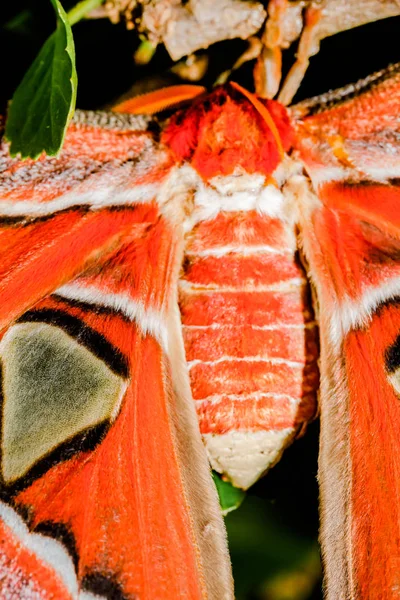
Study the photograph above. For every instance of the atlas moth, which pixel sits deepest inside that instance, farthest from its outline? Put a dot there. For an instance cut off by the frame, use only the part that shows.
(154, 312)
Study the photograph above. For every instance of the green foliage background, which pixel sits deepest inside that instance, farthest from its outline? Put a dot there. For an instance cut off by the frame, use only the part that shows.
(273, 535)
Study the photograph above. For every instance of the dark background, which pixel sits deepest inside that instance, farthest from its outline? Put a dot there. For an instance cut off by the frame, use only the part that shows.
(273, 535)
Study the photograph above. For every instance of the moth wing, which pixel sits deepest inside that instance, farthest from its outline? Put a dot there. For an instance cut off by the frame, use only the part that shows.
(57, 215)
(349, 219)
(105, 485)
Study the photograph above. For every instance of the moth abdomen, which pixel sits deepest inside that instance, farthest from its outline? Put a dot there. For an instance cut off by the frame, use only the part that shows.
(251, 342)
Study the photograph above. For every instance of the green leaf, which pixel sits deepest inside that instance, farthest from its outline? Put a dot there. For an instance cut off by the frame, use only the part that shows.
(44, 102)
(230, 497)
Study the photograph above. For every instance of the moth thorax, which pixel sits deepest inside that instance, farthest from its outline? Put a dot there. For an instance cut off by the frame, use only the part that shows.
(239, 191)
(225, 133)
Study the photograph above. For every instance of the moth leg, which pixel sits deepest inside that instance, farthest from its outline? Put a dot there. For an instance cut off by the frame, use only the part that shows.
(252, 51)
(308, 46)
(268, 68)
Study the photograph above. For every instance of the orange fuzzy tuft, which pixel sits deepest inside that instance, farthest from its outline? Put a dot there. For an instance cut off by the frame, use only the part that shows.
(226, 131)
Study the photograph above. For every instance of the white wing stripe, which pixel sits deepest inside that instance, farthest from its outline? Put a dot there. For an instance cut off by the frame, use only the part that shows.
(148, 320)
(99, 198)
(353, 314)
(47, 549)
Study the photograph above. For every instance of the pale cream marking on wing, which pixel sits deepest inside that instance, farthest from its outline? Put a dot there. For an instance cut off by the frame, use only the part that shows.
(47, 549)
(354, 314)
(244, 456)
(98, 198)
(320, 174)
(54, 388)
(323, 175)
(373, 158)
(351, 314)
(149, 320)
(382, 174)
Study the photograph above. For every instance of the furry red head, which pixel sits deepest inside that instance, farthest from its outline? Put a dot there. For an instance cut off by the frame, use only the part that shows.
(225, 130)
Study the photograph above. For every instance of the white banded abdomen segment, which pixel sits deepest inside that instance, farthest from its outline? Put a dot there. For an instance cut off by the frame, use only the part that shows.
(250, 341)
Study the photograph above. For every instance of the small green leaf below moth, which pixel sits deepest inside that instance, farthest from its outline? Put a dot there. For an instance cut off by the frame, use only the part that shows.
(44, 102)
(230, 497)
